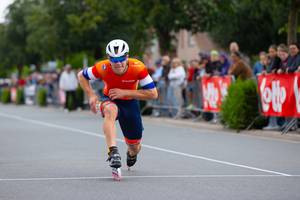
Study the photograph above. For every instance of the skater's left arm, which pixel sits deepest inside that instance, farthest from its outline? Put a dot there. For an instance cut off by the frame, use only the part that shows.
(142, 94)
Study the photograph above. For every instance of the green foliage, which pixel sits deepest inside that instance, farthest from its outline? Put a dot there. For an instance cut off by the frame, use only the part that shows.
(15, 35)
(167, 17)
(26, 71)
(254, 24)
(42, 97)
(5, 95)
(20, 96)
(240, 107)
(38, 31)
(38, 22)
(76, 60)
(60, 64)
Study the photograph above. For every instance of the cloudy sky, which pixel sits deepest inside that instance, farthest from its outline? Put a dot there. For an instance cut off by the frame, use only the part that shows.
(3, 6)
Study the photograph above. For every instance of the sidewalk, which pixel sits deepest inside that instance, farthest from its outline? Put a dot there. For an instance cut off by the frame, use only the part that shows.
(291, 136)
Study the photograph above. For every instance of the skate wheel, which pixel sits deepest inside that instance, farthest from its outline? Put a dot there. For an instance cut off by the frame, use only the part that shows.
(116, 174)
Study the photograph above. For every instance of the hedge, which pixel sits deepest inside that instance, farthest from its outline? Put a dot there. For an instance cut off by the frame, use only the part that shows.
(42, 97)
(5, 95)
(20, 96)
(240, 106)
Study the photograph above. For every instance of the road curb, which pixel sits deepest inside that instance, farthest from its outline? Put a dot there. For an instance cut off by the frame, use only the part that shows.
(291, 136)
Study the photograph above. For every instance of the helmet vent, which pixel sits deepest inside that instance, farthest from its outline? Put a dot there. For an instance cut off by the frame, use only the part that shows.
(116, 49)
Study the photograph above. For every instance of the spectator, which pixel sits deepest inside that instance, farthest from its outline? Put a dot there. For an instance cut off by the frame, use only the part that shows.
(234, 47)
(156, 76)
(213, 68)
(260, 65)
(176, 77)
(184, 85)
(283, 54)
(272, 67)
(199, 73)
(225, 64)
(148, 61)
(164, 82)
(239, 69)
(194, 65)
(30, 90)
(294, 59)
(49, 85)
(165, 62)
(68, 83)
(274, 62)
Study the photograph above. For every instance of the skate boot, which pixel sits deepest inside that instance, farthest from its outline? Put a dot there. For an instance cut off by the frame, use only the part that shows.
(114, 159)
(131, 160)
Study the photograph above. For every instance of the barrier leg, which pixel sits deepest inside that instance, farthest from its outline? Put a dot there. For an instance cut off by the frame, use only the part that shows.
(289, 126)
(251, 124)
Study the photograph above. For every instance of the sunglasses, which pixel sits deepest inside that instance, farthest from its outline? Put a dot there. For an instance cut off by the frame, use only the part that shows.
(117, 59)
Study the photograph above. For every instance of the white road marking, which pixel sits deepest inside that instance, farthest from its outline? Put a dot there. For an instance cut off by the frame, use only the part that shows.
(148, 177)
(144, 145)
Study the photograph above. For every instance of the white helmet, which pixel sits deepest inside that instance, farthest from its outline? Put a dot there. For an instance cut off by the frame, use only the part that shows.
(117, 48)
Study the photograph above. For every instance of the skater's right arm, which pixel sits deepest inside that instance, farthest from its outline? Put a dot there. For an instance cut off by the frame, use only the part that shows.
(85, 85)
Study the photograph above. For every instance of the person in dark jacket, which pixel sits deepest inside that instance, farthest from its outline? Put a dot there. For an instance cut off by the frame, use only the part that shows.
(225, 64)
(294, 59)
(214, 66)
(274, 59)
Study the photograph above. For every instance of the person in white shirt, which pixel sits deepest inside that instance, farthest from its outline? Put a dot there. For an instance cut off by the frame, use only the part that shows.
(68, 83)
(176, 78)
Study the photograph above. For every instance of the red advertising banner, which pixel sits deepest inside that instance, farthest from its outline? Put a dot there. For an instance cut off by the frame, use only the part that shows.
(214, 90)
(279, 94)
(296, 88)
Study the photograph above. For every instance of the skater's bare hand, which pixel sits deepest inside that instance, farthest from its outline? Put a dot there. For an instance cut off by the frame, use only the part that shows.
(93, 101)
(117, 93)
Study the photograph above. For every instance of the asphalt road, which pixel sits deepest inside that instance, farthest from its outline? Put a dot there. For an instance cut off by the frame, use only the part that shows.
(48, 154)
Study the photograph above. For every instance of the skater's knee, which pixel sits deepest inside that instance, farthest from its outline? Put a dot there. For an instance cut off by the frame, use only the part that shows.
(110, 111)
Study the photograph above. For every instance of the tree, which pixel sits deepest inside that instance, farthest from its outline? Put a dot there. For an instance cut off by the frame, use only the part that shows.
(3, 50)
(254, 24)
(40, 30)
(42, 38)
(293, 21)
(169, 16)
(15, 35)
